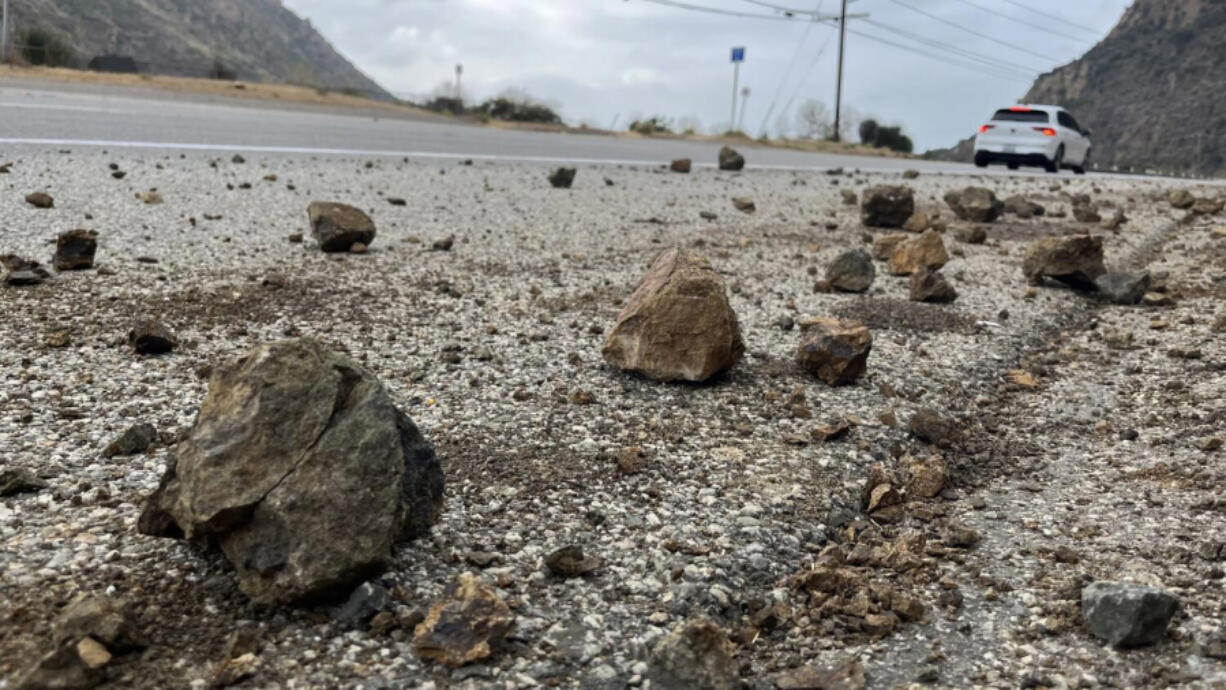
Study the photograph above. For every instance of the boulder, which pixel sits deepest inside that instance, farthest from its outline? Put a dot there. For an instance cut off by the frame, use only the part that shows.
(976, 204)
(302, 471)
(678, 324)
(729, 159)
(883, 245)
(337, 227)
(887, 206)
(100, 618)
(1208, 207)
(1126, 615)
(1120, 287)
(1022, 207)
(74, 250)
(137, 439)
(40, 200)
(1076, 260)
(681, 165)
(696, 655)
(835, 351)
(562, 178)
(924, 252)
(931, 286)
(851, 271)
(21, 272)
(925, 476)
(467, 624)
(148, 337)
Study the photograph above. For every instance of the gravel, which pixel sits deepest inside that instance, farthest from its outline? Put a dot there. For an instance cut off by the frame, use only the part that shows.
(485, 346)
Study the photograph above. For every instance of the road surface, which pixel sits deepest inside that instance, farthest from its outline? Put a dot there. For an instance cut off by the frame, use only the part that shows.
(67, 115)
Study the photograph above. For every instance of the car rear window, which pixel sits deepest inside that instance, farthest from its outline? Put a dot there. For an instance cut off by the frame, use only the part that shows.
(1007, 115)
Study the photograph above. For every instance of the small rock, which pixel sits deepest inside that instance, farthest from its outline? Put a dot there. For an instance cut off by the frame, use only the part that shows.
(96, 617)
(569, 561)
(151, 197)
(1086, 213)
(235, 670)
(397, 201)
(849, 197)
(562, 178)
(1123, 288)
(149, 337)
(1126, 615)
(910, 174)
(18, 480)
(1075, 260)
(848, 675)
(926, 476)
(729, 159)
(924, 252)
(917, 223)
(696, 655)
(1181, 199)
(137, 439)
(931, 286)
(40, 200)
(74, 250)
(1022, 207)
(887, 206)
(929, 425)
(959, 535)
(467, 624)
(366, 600)
(744, 204)
(836, 351)
(443, 245)
(851, 271)
(680, 165)
(884, 245)
(632, 460)
(337, 227)
(972, 234)
(975, 204)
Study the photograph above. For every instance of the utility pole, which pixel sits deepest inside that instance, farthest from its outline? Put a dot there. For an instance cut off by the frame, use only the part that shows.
(738, 56)
(4, 33)
(838, 95)
(740, 125)
(459, 71)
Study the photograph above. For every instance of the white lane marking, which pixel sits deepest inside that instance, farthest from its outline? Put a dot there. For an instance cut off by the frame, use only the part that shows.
(75, 108)
(308, 150)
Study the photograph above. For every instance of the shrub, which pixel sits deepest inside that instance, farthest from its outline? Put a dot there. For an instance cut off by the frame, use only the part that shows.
(505, 108)
(656, 124)
(868, 132)
(220, 71)
(445, 104)
(40, 46)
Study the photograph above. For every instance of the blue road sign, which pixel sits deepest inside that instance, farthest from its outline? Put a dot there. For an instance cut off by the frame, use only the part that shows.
(738, 55)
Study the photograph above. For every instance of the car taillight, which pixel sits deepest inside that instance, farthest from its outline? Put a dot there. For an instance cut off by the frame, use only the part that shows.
(1019, 109)
(984, 128)
(1047, 131)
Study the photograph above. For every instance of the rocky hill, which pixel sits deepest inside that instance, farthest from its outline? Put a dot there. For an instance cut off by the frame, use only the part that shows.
(258, 40)
(1151, 91)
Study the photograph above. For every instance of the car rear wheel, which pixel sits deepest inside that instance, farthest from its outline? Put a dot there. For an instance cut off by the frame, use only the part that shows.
(981, 160)
(1013, 166)
(1085, 163)
(1054, 165)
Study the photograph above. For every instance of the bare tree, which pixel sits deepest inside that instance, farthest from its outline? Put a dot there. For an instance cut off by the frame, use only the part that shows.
(813, 120)
(849, 124)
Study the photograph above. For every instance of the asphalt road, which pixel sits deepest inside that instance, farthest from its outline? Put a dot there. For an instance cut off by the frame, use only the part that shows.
(67, 116)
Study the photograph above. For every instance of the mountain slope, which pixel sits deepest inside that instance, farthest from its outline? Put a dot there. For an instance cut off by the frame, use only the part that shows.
(260, 40)
(1151, 91)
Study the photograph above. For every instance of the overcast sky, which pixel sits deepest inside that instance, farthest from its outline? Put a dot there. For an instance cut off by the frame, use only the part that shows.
(601, 60)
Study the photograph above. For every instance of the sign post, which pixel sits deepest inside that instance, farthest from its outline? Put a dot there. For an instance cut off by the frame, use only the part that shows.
(459, 71)
(738, 56)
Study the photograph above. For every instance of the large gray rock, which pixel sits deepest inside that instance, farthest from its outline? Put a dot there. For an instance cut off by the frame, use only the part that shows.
(303, 472)
(887, 206)
(851, 271)
(337, 227)
(976, 204)
(1126, 615)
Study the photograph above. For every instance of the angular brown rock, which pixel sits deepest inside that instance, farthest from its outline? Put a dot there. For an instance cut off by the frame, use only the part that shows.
(337, 227)
(836, 351)
(924, 252)
(1075, 260)
(883, 245)
(931, 286)
(729, 159)
(467, 624)
(976, 204)
(696, 655)
(681, 165)
(75, 249)
(887, 206)
(678, 325)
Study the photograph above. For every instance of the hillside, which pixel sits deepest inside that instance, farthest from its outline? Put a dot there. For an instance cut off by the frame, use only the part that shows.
(1151, 91)
(259, 40)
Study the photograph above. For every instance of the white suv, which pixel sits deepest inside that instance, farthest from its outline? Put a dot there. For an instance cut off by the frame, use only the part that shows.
(1040, 135)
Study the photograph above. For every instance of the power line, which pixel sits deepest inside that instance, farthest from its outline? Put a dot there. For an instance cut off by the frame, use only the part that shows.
(941, 19)
(941, 58)
(1049, 15)
(791, 10)
(727, 13)
(805, 79)
(987, 60)
(791, 64)
(1023, 22)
